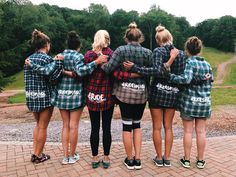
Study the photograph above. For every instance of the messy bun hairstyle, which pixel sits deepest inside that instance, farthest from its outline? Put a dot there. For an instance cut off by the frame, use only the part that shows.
(193, 45)
(73, 40)
(163, 36)
(39, 40)
(133, 34)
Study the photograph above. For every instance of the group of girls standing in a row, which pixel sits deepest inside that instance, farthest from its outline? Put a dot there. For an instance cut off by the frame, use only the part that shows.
(102, 78)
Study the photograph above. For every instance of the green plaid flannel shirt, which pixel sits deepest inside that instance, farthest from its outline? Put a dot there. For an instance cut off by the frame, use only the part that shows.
(70, 92)
(195, 99)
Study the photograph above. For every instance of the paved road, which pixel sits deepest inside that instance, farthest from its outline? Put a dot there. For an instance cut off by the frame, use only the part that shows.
(220, 158)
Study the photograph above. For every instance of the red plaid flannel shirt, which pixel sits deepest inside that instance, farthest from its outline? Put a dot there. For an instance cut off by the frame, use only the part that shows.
(99, 85)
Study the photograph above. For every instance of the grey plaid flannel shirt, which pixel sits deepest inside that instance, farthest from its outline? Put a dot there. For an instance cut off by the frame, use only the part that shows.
(133, 90)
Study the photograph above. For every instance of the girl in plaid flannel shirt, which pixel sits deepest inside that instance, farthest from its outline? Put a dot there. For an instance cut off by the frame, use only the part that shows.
(38, 86)
(195, 100)
(132, 93)
(99, 99)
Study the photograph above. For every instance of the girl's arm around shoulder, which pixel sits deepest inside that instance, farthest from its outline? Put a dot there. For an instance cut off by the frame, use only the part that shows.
(82, 69)
(48, 68)
(184, 78)
(113, 63)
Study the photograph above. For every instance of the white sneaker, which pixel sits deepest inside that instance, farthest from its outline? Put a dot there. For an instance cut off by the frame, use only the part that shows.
(74, 159)
(65, 161)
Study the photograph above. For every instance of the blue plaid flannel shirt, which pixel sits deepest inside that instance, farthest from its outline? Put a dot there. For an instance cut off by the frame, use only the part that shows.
(161, 92)
(38, 80)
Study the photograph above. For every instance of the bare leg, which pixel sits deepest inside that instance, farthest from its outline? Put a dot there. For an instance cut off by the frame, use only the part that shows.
(127, 140)
(74, 124)
(168, 120)
(35, 133)
(200, 128)
(157, 115)
(187, 141)
(137, 142)
(65, 131)
(44, 118)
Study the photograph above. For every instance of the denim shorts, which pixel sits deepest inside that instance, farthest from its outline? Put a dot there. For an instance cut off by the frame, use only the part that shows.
(187, 117)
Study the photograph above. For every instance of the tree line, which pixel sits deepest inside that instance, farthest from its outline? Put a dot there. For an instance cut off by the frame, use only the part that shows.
(19, 17)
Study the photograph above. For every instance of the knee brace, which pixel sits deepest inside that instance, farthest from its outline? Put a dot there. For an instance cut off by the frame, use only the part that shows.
(127, 126)
(136, 124)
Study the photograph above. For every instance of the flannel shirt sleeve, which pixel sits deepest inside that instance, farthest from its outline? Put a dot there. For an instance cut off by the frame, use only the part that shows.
(121, 75)
(81, 68)
(157, 67)
(113, 63)
(184, 78)
(52, 69)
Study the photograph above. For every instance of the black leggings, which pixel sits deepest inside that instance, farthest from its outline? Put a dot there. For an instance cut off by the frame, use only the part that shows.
(106, 128)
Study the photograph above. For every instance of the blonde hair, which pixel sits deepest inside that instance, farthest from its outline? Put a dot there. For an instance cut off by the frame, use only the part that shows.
(163, 36)
(101, 40)
(133, 34)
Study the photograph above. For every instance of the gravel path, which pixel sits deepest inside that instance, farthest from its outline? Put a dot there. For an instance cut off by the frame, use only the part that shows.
(23, 131)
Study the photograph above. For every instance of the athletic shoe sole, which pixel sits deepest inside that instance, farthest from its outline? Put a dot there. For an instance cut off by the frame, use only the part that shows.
(137, 167)
(128, 167)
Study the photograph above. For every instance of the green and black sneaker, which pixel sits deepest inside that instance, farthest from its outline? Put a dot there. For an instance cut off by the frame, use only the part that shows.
(200, 164)
(185, 163)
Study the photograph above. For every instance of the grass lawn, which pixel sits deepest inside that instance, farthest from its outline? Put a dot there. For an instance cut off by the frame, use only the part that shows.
(215, 57)
(231, 76)
(19, 98)
(223, 96)
(18, 82)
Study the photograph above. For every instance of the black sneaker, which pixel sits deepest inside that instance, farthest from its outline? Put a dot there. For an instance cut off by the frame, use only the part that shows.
(41, 159)
(33, 158)
(166, 163)
(158, 162)
(185, 163)
(137, 164)
(129, 163)
(200, 164)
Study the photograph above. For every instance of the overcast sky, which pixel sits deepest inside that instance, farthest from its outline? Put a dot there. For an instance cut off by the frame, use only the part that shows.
(194, 10)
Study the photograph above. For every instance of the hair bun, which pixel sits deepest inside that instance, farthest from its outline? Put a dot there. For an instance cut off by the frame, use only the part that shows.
(133, 25)
(35, 33)
(72, 35)
(160, 28)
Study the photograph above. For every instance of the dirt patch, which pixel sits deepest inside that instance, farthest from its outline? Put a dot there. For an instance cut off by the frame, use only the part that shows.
(222, 70)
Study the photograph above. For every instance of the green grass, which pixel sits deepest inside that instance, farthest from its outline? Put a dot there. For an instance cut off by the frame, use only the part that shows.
(231, 76)
(223, 96)
(215, 57)
(18, 98)
(18, 82)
